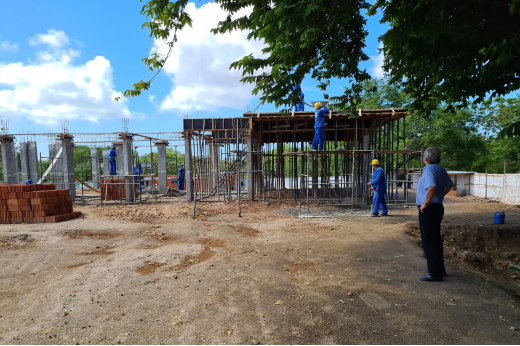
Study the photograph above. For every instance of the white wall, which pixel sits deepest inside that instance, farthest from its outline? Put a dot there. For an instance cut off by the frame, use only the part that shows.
(501, 187)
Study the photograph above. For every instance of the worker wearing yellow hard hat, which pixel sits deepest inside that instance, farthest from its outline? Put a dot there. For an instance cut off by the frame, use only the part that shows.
(319, 126)
(378, 184)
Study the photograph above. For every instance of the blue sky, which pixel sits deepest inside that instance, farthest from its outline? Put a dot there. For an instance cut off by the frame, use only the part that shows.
(68, 59)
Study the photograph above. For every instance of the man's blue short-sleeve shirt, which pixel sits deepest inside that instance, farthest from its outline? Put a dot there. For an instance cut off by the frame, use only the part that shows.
(433, 175)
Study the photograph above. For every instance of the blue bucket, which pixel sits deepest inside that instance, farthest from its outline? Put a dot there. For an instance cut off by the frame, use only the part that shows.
(500, 218)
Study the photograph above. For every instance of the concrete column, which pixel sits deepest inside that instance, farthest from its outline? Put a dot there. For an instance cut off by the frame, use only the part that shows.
(96, 176)
(215, 165)
(9, 161)
(68, 167)
(106, 168)
(32, 156)
(249, 167)
(120, 164)
(188, 167)
(161, 166)
(128, 167)
(57, 169)
(24, 161)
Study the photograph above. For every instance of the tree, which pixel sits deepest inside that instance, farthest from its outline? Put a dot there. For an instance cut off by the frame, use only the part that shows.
(320, 38)
(456, 52)
(441, 52)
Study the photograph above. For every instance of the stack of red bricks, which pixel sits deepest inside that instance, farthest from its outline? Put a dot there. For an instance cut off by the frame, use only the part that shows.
(112, 189)
(35, 204)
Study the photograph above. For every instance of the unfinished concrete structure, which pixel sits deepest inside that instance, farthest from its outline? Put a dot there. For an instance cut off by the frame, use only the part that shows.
(9, 160)
(268, 155)
(29, 161)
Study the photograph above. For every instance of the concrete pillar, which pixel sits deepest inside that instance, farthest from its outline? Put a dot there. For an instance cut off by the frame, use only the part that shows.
(215, 166)
(106, 166)
(32, 156)
(249, 167)
(128, 167)
(9, 161)
(188, 167)
(120, 164)
(24, 161)
(161, 165)
(68, 166)
(57, 169)
(94, 161)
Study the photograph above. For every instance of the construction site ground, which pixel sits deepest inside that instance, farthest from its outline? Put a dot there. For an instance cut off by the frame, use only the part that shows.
(150, 274)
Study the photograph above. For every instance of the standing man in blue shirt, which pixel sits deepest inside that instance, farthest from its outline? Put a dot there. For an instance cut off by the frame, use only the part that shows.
(434, 184)
(378, 184)
(319, 125)
(180, 179)
(112, 160)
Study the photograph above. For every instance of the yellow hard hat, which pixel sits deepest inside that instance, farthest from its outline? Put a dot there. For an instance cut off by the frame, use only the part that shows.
(317, 105)
(375, 162)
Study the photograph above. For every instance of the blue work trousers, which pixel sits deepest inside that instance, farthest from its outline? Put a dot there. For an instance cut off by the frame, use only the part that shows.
(180, 183)
(319, 137)
(379, 203)
(112, 165)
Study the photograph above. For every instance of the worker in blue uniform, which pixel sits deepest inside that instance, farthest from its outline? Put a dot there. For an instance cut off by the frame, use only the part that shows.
(319, 125)
(378, 184)
(112, 160)
(138, 171)
(180, 182)
(300, 106)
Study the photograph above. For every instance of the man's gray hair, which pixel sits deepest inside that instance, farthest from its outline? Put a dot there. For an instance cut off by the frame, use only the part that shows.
(432, 155)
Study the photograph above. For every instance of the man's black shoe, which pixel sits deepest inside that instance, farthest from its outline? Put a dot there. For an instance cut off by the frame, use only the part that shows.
(443, 273)
(375, 215)
(384, 214)
(429, 278)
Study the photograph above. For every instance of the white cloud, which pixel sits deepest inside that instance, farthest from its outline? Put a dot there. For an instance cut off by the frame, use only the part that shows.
(53, 87)
(8, 46)
(378, 60)
(199, 64)
(53, 38)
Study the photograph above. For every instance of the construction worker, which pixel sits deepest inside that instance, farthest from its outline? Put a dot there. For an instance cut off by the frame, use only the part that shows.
(378, 184)
(319, 125)
(299, 107)
(112, 160)
(180, 181)
(138, 173)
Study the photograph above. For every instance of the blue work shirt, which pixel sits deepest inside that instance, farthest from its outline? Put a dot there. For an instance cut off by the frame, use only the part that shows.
(433, 175)
(181, 172)
(140, 172)
(378, 182)
(320, 117)
(112, 153)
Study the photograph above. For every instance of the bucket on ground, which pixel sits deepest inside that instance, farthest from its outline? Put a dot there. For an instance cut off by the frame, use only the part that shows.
(500, 218)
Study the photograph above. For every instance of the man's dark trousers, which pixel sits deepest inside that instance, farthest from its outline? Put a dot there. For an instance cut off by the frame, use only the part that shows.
(430, 225)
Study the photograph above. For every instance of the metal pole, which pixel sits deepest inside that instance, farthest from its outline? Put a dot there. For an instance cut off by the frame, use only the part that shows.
(81, 167)
(238, 169)
(41, 167)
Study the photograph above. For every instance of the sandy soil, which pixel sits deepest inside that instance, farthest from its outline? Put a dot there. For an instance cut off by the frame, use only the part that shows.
(150, 274)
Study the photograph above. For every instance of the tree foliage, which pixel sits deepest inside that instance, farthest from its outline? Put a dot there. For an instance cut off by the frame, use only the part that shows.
(445, 52)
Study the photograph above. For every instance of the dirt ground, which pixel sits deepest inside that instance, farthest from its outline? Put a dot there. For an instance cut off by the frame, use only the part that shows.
(150, 274)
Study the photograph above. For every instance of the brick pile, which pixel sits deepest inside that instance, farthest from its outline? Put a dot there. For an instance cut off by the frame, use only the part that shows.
(110, 189)
(21, 203)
